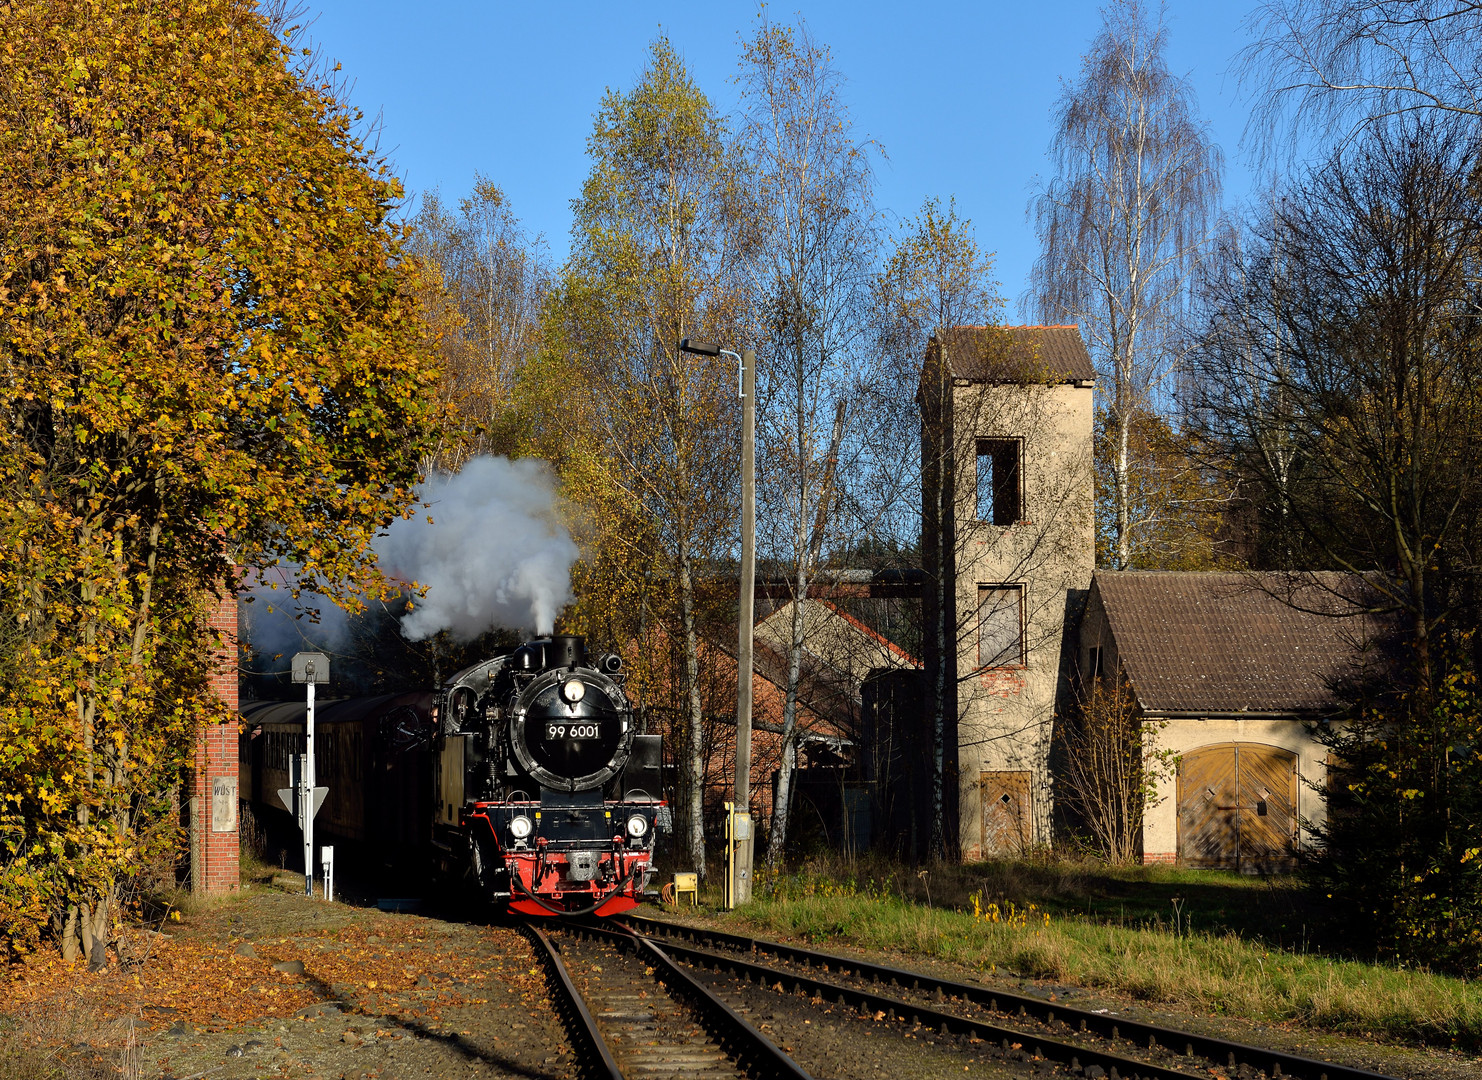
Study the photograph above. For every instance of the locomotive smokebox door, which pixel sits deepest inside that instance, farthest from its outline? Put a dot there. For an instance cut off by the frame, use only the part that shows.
(310, 667)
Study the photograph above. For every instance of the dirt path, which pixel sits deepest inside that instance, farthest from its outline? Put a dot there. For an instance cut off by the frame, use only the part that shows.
(271, 984)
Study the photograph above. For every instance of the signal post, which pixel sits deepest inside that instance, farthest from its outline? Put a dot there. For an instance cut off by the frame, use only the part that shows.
(304, 799)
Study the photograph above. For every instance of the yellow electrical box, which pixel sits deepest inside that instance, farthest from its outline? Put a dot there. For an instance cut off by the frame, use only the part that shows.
(687, 883)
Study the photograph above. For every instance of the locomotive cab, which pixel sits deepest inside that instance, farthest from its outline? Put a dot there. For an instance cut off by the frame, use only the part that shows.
(546, 785)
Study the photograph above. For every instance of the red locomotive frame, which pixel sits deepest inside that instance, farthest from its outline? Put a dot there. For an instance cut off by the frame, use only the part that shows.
(539, 884)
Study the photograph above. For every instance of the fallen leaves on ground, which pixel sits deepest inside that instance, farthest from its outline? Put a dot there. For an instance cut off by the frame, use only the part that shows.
(374, 965)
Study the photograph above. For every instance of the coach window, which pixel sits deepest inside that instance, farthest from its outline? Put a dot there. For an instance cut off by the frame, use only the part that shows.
(1000, 626)
(1000, 483)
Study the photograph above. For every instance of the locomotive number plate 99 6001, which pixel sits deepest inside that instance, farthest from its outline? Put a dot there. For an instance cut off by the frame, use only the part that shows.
(572, 731)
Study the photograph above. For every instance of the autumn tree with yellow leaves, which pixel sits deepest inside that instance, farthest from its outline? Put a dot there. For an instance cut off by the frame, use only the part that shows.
(650, 432)
(213, 358)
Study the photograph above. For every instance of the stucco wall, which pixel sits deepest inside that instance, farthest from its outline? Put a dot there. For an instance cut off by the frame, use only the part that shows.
(1160, 823)
(1006, 714)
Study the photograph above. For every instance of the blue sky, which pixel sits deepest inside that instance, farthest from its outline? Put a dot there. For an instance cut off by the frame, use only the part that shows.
(959, 95)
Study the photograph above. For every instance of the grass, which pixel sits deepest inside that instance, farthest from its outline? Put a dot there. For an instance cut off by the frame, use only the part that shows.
(22, 1059)
(1088, 925)
(67, 1042)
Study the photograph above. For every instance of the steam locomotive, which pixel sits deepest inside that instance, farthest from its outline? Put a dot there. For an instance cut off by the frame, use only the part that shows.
(525, 775)
(547, 783)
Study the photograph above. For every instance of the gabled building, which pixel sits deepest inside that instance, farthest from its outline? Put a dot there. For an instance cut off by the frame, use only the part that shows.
(856, 783)
(1231, 673)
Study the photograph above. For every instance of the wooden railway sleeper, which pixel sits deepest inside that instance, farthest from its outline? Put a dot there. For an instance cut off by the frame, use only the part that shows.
(1196, 1045)
(945, 1024)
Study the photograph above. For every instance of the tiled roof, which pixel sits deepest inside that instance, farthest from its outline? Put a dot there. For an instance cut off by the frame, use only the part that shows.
(1226, 643)
(874, 635)
(1019, 354)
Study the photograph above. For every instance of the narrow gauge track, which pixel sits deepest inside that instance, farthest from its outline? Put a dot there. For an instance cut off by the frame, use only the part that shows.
(632, 1012)
(1067, 1036)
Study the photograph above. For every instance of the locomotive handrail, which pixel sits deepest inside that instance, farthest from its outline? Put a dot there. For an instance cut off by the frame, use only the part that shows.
(639, 791)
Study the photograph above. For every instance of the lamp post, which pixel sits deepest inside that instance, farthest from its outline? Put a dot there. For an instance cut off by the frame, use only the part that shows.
(738, 820)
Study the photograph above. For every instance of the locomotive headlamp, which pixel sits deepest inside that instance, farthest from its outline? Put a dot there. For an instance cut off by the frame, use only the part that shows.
(573, 690)
(637, 826)
(520, 827)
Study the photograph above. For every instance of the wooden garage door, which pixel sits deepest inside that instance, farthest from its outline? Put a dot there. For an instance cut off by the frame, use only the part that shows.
(1237, 807)
(1008, 812)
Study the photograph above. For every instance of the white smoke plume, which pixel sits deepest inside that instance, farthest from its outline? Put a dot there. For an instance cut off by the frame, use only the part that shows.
(494, 554)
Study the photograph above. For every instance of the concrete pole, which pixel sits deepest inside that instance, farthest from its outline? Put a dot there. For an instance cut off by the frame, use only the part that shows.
(745, 621)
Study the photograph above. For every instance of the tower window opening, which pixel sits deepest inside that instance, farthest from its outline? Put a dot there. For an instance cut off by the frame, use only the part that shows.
(999, 481)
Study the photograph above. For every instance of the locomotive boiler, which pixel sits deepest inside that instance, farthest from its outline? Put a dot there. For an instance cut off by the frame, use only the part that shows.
(545, 787)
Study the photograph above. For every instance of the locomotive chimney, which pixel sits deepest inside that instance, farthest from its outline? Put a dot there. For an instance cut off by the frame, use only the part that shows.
(567, 650)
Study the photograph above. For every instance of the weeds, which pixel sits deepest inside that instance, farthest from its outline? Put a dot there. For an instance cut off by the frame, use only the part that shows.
(23, 1059)
(68, 1042)
(1149, 955)
(1011, 916)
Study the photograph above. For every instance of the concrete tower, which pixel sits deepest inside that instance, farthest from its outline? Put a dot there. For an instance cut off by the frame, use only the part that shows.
(1008, 545)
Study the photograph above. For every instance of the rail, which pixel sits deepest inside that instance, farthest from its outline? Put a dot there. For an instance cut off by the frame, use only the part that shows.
(754, 1052)
(597, 1061)
(1222, 1052)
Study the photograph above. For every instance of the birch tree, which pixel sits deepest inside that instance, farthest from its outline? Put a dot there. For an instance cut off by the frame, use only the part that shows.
(1338, 67)
(657, 250)
(815, 242)
(495, 278)
(1122, 227)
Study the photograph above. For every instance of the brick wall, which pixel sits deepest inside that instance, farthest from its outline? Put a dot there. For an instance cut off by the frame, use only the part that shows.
(214, 839)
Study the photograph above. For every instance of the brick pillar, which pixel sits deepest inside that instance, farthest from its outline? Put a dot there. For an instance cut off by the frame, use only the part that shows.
(215, 847)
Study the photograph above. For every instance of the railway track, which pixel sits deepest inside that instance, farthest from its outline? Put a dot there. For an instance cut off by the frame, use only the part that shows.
(1025, 1028)
(632, 1012)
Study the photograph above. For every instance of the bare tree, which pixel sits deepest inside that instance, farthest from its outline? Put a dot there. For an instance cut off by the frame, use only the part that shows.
(1123, 225)
(1350, 345)
(813, 269)
(1111, 766)
(1339, 66)
(1241, 359)
(494, 279)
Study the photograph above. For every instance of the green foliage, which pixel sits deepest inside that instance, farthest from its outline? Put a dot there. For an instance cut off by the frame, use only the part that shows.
(212, 358)
(1402, 848)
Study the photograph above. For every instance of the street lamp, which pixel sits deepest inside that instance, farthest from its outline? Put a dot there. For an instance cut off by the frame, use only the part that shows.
(738, 822)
